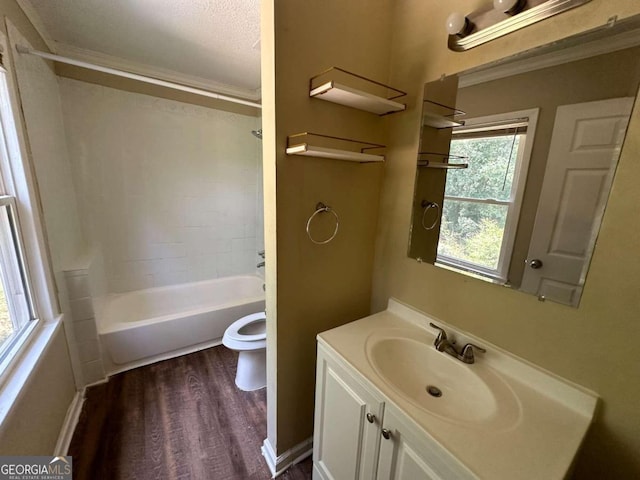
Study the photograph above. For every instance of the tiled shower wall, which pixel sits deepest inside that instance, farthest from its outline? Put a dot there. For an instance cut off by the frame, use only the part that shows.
(169, 191)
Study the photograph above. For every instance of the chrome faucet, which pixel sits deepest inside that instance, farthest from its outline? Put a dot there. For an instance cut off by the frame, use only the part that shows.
(443, 344)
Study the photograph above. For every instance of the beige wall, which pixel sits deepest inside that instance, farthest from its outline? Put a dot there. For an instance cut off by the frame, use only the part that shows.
(33, 424)
(268, 85)
(594, 345)
(318, 286)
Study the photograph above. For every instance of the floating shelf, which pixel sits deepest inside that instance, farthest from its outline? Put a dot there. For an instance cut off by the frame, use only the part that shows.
(440, 121)
(351, 97)
(313, 151)
(342, 94)
(431, 119)
(310, 150)
(444, 163)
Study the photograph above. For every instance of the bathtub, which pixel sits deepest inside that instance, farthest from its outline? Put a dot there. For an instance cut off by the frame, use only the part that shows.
(162, 322)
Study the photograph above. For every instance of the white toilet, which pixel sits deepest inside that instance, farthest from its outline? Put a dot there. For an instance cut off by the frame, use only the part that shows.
(248, 337)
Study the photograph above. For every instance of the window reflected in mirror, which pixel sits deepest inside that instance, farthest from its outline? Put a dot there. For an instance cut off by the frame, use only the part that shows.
(481, 204)
(516, 161)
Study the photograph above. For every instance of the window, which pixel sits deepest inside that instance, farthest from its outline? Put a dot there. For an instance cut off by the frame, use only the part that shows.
(481, 204)
(16, 305)
(17, 310)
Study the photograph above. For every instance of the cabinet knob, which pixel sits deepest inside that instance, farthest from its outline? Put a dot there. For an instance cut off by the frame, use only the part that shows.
(371, 417)
(386, 433)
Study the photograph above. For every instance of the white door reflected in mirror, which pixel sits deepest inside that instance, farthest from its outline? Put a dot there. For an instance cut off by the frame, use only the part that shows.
(584, 149)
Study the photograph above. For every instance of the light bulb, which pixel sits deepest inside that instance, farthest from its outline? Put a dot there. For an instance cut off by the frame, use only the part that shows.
(457, 24)
(510, 7)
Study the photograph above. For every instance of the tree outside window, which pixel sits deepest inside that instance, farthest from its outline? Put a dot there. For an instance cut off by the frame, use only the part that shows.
(478, 208)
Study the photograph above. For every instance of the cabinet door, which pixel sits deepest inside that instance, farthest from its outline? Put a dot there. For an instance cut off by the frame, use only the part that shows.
(403, 456)
(410, 454)
(346, 442)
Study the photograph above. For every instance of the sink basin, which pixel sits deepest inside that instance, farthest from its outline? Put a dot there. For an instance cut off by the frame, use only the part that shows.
(440, 384)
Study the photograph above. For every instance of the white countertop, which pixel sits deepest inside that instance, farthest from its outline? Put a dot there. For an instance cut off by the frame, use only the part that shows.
(539, 442)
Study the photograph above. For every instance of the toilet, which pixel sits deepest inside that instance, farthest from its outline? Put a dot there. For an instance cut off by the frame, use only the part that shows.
(248, 337)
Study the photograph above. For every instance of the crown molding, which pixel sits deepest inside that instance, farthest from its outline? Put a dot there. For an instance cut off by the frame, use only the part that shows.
(118, 63)
(36, 21)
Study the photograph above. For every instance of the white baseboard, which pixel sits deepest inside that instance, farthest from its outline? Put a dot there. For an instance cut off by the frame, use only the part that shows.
(278, 464)
(69, 425)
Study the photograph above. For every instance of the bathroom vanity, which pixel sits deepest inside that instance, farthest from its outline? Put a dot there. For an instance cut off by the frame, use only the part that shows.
(390, 406)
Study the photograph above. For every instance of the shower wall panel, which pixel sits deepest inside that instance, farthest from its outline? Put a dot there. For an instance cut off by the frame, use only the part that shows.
(170, 191)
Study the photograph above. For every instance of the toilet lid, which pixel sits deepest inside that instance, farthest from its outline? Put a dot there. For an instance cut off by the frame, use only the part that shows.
(234, 331)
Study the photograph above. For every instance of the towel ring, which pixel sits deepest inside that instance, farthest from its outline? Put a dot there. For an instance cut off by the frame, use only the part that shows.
(321, 207)
(427, 206)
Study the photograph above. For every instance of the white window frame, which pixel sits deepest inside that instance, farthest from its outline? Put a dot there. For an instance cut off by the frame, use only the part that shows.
(27, 323)
(514, 203)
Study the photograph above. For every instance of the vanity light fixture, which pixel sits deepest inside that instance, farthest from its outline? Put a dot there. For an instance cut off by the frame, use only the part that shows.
(510, 7)
(500, 18)
(458, 24)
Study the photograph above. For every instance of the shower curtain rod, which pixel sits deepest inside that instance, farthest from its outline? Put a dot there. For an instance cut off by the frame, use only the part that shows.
(134, 76)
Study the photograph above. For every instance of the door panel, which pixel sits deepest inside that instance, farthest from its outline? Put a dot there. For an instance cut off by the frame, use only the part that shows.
(578, 205)
(583, 153)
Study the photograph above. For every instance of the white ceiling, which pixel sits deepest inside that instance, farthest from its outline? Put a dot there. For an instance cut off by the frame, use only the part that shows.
(211, 41)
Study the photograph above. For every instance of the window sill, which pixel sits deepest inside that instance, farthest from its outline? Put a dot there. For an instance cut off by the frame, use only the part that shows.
(16, 346)
(33, 346)
(479, 274)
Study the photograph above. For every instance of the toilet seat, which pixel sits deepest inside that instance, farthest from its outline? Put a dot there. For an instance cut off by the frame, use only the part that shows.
(237, 341)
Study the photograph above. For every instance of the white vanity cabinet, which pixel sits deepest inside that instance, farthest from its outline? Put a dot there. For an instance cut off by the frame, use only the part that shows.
(389, 406)
(359, 435)
(347, 424)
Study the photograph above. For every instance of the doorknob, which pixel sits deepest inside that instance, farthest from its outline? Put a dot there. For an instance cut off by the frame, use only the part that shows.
(371, 417)
(535, 263)
(386, 433)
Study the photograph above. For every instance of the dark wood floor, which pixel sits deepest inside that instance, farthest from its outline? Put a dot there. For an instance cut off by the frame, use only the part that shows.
(183, 418)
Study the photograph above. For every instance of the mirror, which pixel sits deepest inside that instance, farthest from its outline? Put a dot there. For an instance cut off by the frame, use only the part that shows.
(517, 158)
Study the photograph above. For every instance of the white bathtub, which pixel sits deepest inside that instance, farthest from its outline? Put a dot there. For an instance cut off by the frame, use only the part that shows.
(153, 323)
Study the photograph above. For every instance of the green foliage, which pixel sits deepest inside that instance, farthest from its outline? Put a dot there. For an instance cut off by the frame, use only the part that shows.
(481, 247)
(490, 173)
(472, 231)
